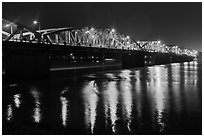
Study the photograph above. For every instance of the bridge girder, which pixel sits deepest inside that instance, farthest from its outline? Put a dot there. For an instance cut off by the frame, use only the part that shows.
(89, 37)
(20, 30)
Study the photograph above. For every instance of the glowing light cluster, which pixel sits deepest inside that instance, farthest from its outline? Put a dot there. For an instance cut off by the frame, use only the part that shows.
(113, 39)
(158, 46)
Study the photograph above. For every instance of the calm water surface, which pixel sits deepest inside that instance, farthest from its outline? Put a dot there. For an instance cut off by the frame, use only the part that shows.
(163, 99)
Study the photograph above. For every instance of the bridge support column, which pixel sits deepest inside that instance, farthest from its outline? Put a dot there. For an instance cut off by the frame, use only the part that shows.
(133, 60)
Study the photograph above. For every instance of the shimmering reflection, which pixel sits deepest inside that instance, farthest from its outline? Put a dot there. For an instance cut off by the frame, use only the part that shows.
(190, 72)
(138, 80)
(195, 65)
(17, 100)
(90, 97)
(176, 72)
(64, 106)
(186, 67)
(138, 91)
(37, 111)
(126, 97)
(176, 86)
(110, 102)
(190, 86)
(9, 112)
(195, 73)
(158, 86)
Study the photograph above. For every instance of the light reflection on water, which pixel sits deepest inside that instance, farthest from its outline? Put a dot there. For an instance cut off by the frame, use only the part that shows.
(64, 106)
(138, 93)
(17, 100)
(9, 112)
(110, 96)
(126, 94)
(176, 86)
(176, 72)
(90, 97)
(191, 88)
(158, 87)
(37, 110)
(156, 99)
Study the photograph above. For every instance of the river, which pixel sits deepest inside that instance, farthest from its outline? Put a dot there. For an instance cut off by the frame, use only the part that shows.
(161, 99)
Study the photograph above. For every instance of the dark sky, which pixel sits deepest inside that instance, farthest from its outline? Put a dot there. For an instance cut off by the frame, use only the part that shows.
(173, 23)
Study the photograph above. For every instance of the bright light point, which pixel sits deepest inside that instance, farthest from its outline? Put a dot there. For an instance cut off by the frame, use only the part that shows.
(159, 41)
(128, 37)
(92, 29)
(113, 30)
(35, 22)
(138, 41)
(7, 25)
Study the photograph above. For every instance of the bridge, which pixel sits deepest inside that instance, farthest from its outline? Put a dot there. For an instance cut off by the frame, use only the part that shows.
(74, 49)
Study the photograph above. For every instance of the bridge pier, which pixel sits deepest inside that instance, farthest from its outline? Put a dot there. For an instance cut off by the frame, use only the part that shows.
(133, 59)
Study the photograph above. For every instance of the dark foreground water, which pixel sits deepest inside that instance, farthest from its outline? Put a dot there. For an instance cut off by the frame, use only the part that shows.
(163, 99)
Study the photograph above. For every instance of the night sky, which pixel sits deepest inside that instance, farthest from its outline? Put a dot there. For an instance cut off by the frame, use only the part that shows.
(172, 23)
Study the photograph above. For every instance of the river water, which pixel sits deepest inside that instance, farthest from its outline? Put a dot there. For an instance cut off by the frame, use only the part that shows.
(162, 99)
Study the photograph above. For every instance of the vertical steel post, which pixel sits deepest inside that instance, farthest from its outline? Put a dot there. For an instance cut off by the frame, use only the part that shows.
(56, 39)
(12, 32)
(75, 38)
(69, 37)
(30, 37)
(66, 37)
(21, 35)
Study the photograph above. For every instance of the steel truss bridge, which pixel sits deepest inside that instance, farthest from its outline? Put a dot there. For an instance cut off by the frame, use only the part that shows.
(87, 37)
